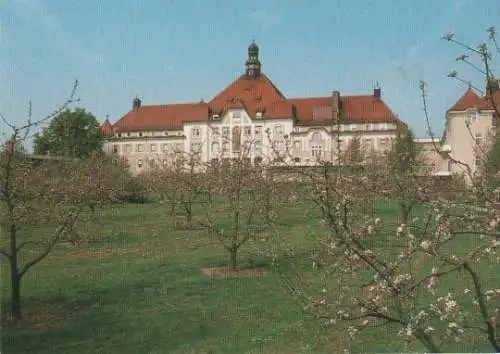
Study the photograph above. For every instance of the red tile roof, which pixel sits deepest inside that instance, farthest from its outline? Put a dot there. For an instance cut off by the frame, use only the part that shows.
(257, 94)
(352, 108)
(470, 99)
(169, 116)
(254, 95)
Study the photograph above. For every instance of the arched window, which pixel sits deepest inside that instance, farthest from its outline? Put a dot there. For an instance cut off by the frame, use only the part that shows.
(236, 138)
(278, 131)
(316, 136)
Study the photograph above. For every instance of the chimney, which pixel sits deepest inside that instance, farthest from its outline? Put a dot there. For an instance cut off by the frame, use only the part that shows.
(136, 103)
(377, 93)
(335, 105)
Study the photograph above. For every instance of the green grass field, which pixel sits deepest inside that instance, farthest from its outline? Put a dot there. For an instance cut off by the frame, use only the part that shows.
(140, 289)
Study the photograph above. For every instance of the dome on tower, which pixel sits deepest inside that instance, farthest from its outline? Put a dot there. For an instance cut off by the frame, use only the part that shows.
(253, 63)
(253, 48)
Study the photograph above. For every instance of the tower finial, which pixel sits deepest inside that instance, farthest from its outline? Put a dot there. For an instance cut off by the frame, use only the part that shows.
(253, 64)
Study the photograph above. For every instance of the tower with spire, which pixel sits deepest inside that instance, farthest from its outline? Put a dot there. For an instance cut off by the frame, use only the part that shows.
(253, 64)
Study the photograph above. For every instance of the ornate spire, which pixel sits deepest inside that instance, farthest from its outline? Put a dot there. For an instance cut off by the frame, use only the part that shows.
(253, 64)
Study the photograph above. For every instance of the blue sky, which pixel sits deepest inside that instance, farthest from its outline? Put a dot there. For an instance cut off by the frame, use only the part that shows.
(169, 51)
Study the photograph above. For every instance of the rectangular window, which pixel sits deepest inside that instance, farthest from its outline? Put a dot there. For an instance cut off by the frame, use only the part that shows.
(297, 147)
(140, 147)
(139, 163)
(340, 145)
(164, 147)
(382, 143)
(247, 131)
(479, 139)
(215, 131)
(195, 132)
(367, 144)
(225, 131)
(471, 116)
(258, 130)
(153, 147)
(258, 146)
(317, 151)
(236, 115)
(128, 148)
(115, 149)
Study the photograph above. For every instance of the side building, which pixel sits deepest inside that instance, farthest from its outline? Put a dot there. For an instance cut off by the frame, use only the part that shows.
(470, 125)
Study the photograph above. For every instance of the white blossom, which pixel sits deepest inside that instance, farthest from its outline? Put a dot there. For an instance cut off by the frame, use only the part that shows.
(429, 330)
(425, 245)
(352, 331)
(450, 305)
(409, 331)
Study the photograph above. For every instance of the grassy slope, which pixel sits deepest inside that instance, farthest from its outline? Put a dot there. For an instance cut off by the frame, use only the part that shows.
(141, 290)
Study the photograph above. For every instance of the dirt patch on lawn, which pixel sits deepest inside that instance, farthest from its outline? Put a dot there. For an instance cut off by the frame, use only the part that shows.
(218, 272)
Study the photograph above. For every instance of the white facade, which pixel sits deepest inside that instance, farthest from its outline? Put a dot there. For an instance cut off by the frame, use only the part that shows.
(265, 139)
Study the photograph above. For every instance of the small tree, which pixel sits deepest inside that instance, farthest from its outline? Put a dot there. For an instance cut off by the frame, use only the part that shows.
(241, 197)
(73, 133)
(179, 182)
(403, 162)
(353, 155)
(54, 192)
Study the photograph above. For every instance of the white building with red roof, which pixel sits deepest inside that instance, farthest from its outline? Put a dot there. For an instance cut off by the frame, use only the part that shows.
(469, 127)
(254, 117)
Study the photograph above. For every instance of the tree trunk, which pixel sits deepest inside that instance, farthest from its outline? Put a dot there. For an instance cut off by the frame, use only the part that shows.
(232, 254)
(189, 214)
(15, 294)
(15, 277)
(405, 211)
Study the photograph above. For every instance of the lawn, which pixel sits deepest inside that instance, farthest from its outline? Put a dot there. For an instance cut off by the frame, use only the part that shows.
(140, 289)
